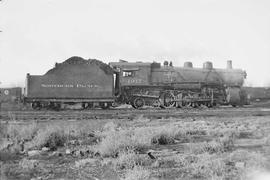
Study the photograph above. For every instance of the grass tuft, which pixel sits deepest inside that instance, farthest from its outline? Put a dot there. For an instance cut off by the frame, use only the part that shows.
(251, 160)
(138, 173)
(115, 141)
(206, 147)
(50, 136)
(129, 159)
(83, 162)
(28, 164)
(19, 132)
(110, 126)
(162, 139)
(207, 166)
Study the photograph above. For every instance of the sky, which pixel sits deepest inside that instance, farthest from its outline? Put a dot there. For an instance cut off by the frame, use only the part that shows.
(34, 34)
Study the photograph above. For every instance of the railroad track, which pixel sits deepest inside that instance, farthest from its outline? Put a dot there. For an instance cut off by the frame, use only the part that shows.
(30, 115)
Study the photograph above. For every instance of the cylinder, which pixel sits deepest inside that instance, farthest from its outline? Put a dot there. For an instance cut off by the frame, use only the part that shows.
(229, 64)
(208, 65)
(188, 64)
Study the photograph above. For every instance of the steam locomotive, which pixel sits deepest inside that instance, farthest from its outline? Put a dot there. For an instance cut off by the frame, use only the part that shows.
(92, 83)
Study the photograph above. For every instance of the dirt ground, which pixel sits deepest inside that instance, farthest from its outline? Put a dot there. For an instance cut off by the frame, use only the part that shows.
(218, 143)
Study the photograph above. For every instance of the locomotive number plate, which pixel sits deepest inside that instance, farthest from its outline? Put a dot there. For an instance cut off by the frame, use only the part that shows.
(134, 81)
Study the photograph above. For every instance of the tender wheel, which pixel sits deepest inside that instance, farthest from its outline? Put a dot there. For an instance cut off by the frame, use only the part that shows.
(105, 105)
(195, 105)
(90, 105)
(54, 106)
(138, 103)
(208, 104)
(84, 105)
(36, 105)
(57, 106)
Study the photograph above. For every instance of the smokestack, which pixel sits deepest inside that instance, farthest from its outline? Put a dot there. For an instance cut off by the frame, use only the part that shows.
(229, 64)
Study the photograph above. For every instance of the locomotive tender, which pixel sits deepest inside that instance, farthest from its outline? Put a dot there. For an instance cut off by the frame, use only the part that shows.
(74, 81)
(92, 82)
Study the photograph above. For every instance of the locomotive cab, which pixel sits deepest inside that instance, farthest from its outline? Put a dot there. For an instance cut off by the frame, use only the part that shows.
(133, 74)
(134, 81)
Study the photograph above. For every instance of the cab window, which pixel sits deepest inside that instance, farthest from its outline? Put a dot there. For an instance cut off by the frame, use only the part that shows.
(128, 73)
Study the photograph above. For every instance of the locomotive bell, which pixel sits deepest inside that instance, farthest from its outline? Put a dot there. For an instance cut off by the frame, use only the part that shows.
(208, 65)
(188, 64)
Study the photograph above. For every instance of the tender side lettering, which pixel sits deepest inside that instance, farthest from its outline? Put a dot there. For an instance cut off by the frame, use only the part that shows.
(69, 85)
